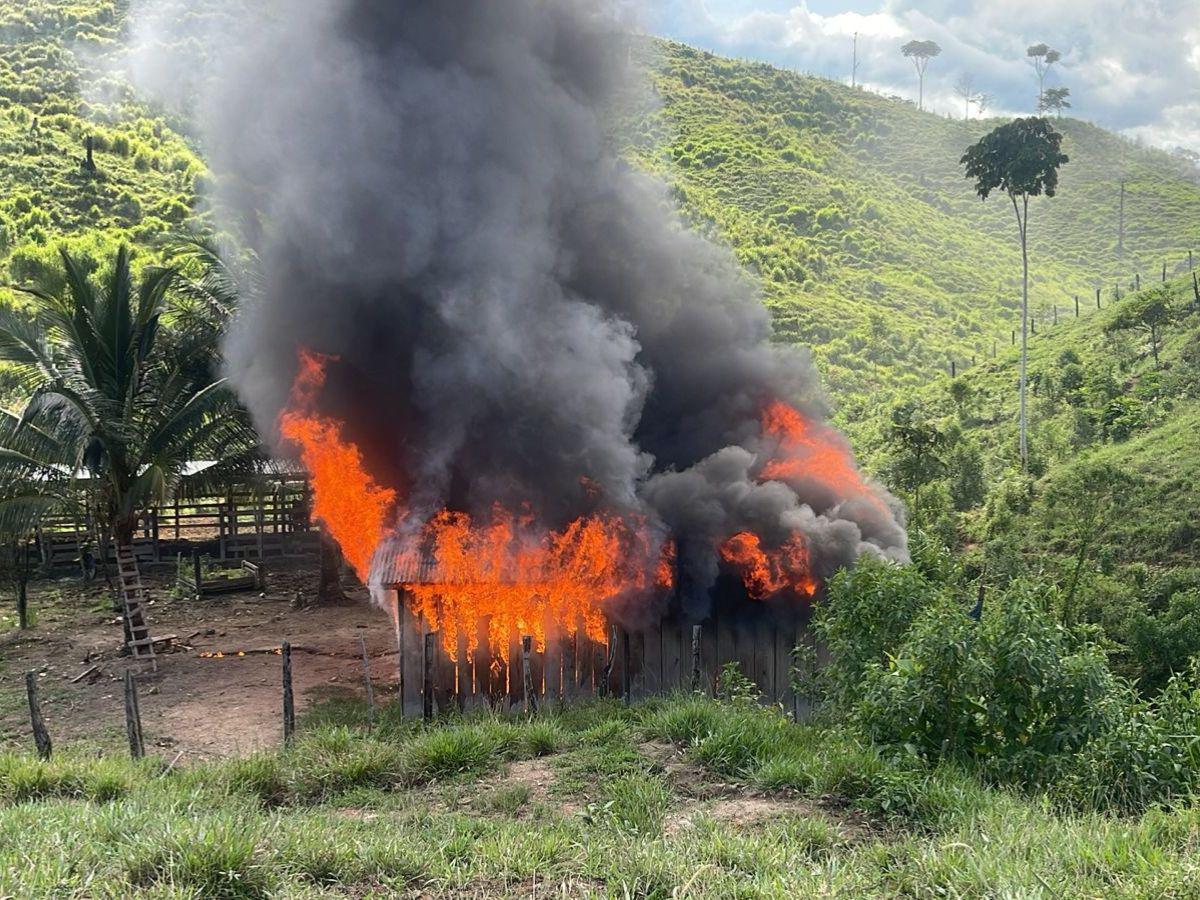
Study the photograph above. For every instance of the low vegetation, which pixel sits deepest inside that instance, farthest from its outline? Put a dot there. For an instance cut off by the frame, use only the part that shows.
(440, 811)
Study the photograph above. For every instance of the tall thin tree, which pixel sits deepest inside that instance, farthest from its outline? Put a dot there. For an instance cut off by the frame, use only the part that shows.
(1022, 159)
(921, 52)
(1043, 57)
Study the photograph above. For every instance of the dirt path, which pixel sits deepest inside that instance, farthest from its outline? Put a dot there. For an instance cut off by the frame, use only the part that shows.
(205, 706)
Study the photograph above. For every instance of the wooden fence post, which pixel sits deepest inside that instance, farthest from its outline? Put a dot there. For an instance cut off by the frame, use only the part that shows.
(289, 700)
(41, 737)
(527, 676)
(196, 570)
(427, 676)
(133, 718)
(362, 645)
(1164, 278)
(1196, 290)
(1014, 337)
(1055, 313)
(953, 369)
(696, 629)
(1097, 298)
(1077, 306)
(1137, 281)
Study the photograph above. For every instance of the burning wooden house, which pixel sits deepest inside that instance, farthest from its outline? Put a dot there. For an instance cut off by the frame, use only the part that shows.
(648, 645)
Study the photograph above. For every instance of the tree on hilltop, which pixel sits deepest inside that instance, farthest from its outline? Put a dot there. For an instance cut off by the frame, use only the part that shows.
(1042, 57)
(921, 52)
(1021, 159)
(1055, 100)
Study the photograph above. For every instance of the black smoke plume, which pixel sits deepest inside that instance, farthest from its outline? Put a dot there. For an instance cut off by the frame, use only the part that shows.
(520, 317)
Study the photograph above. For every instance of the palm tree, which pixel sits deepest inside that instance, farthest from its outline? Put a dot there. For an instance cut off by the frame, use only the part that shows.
(121, 390)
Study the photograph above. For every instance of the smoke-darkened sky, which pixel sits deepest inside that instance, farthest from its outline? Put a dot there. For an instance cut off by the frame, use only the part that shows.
(1131, 65)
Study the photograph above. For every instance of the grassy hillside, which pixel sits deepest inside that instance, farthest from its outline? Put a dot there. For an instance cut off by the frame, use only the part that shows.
(1097, 398)
(57, 87)
(850, 208)
(870, 244)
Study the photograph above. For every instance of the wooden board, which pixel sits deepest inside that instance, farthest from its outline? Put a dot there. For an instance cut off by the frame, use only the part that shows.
(671, 646)
(413, 651)
(552, 668)
(763, 672)
(651, 675)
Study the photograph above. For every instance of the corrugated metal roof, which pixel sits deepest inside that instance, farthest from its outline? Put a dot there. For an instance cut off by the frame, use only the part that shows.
(397, 562)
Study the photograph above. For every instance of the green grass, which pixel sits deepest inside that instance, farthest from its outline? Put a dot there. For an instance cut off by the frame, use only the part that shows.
(372, 816)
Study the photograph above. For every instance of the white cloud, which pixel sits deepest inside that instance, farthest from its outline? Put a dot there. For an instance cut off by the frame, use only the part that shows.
(1131, 65)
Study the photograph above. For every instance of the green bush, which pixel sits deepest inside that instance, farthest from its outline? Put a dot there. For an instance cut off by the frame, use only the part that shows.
(1151, 756)
(1012, 694)
(866, 615)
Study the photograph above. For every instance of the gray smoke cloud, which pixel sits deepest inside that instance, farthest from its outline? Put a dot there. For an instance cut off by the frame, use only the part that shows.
(437, 200)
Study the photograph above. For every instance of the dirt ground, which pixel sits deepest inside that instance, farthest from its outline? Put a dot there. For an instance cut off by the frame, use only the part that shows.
(196, 703)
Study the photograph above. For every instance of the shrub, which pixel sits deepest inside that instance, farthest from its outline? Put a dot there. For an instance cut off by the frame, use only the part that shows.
(1012, 694)
(1151, 756)
(867, 613)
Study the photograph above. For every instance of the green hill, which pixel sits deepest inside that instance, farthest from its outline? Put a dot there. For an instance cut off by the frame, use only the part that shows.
(1097, 398)
(849, 207)
(57, 89)
(870, 243)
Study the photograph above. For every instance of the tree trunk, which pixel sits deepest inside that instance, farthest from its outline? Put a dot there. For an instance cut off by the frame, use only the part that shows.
(329, 588)
(1023, 224)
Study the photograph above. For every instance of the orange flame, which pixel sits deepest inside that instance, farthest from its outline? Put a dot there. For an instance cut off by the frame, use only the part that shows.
(525, 580)
(347, 501)
(807, 450)
(769, 572)
(522, 579)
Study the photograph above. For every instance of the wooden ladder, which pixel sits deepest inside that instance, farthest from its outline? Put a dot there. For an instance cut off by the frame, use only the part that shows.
(137, 633)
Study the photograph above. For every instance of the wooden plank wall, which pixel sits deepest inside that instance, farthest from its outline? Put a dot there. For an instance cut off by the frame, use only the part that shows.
(639, 664)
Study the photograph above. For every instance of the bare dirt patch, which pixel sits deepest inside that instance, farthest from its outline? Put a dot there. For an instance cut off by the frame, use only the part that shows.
(205, 706)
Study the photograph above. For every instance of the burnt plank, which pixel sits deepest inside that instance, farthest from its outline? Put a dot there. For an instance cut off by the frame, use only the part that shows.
(412, 629)
(710, 653)
(785, 640)
(481, 665)
(447, 678)
(537, 669)
(552, 668)
(634, 651)
(598, 652)
(764, 659)
(651, 675)
(516, 687)
(670, 644)
(726, 647)
(465, 688)
(570, 676)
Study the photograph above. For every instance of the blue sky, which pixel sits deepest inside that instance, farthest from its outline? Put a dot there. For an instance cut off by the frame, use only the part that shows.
(1131, 65)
